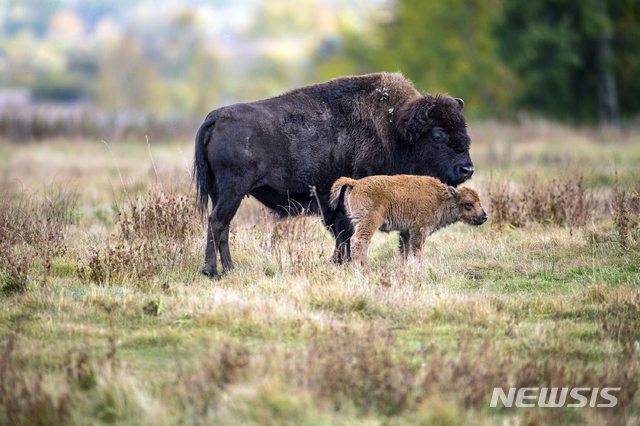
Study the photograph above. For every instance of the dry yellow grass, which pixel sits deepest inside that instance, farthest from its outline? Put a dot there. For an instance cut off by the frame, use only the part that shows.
(121, 327)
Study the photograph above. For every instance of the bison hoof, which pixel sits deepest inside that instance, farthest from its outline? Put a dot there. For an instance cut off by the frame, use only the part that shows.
(211, 274)
(340, 260)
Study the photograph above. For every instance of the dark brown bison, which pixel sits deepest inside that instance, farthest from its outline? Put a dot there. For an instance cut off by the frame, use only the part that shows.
(287, 151)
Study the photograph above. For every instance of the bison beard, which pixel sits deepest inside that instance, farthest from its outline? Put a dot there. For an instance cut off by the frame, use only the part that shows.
(287, 151)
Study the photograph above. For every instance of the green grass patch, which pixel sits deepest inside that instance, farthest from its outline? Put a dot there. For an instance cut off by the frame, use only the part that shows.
(106, 319)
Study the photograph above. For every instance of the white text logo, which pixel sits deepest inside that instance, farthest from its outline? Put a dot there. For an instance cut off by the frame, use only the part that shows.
(554, 397)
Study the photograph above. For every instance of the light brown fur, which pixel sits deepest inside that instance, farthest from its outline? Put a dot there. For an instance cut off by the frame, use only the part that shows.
(417, 206)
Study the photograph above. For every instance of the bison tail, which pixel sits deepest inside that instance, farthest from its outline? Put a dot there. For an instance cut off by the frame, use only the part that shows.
(336, 199)
(202, 173)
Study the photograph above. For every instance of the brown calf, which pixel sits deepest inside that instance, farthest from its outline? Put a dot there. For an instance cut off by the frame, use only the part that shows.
(417, 206)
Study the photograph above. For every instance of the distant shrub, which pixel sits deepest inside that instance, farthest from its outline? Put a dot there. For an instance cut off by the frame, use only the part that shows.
(503, 204)
(560, 201)
(152, 234)
(16, 268)
(625, 208)
(120, 262)
(160, 216)
(75, 119)
(33, 231)
(61, 88)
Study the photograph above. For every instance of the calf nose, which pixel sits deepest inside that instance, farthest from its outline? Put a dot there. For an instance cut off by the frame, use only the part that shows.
(466, 171)
(485, 217)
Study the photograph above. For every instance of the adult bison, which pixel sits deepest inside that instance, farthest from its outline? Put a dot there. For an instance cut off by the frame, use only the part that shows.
(287, 151)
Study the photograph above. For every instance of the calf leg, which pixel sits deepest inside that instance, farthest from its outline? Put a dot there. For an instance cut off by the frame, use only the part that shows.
(404, 244)
(358, 243)
(416, 240)
(364, 230)
(218, 234)
(364, 259)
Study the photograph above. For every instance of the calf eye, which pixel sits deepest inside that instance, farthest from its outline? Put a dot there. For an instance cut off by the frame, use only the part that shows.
(468, 206)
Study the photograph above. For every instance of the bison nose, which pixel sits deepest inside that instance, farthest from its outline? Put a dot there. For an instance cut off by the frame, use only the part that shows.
(466, 171)
(484, 217)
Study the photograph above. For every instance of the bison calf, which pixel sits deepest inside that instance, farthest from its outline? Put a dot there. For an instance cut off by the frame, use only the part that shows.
(417, 206)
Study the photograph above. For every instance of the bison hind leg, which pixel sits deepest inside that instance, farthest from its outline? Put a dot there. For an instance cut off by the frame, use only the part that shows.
(218, 235)
(223, 248)
(210, 268)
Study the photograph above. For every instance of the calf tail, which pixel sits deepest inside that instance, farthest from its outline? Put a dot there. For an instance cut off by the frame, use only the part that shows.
(202, 173)
(336, 199)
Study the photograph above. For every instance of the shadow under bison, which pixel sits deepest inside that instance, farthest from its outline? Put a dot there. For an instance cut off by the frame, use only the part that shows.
(287, 151)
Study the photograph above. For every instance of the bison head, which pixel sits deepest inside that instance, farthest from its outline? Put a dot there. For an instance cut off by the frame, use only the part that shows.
(433, 134)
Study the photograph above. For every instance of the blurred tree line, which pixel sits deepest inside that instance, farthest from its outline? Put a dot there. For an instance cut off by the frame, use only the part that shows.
(561, 59)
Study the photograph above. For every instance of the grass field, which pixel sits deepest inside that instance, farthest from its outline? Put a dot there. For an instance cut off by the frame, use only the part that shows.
(104, 317)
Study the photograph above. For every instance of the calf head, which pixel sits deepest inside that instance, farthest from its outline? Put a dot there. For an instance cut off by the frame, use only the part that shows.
(434, 132)
(469, 205)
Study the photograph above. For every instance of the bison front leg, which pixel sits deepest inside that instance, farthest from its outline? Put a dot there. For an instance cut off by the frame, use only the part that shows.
(342, 252)
(342, 232)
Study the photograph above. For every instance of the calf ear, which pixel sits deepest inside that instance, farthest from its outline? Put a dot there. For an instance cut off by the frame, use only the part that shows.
(454, 194)
(411, 118)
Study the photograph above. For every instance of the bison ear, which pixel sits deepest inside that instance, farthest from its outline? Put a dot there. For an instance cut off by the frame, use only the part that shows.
(461, 103)
(454, 194)
(411, 119)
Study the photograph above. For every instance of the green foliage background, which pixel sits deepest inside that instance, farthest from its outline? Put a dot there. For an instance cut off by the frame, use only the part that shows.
(551, 46)
(503, 57)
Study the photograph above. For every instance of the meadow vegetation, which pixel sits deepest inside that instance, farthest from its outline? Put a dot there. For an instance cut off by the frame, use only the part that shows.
(105, 318)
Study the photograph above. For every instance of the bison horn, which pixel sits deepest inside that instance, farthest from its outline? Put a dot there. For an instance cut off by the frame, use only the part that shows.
(461, 102)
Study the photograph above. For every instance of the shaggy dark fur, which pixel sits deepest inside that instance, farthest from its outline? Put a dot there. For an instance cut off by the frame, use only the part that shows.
(287, 151)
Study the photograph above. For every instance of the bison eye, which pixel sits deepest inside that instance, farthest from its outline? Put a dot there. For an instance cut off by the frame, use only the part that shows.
(439, 135)
(468, 206)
